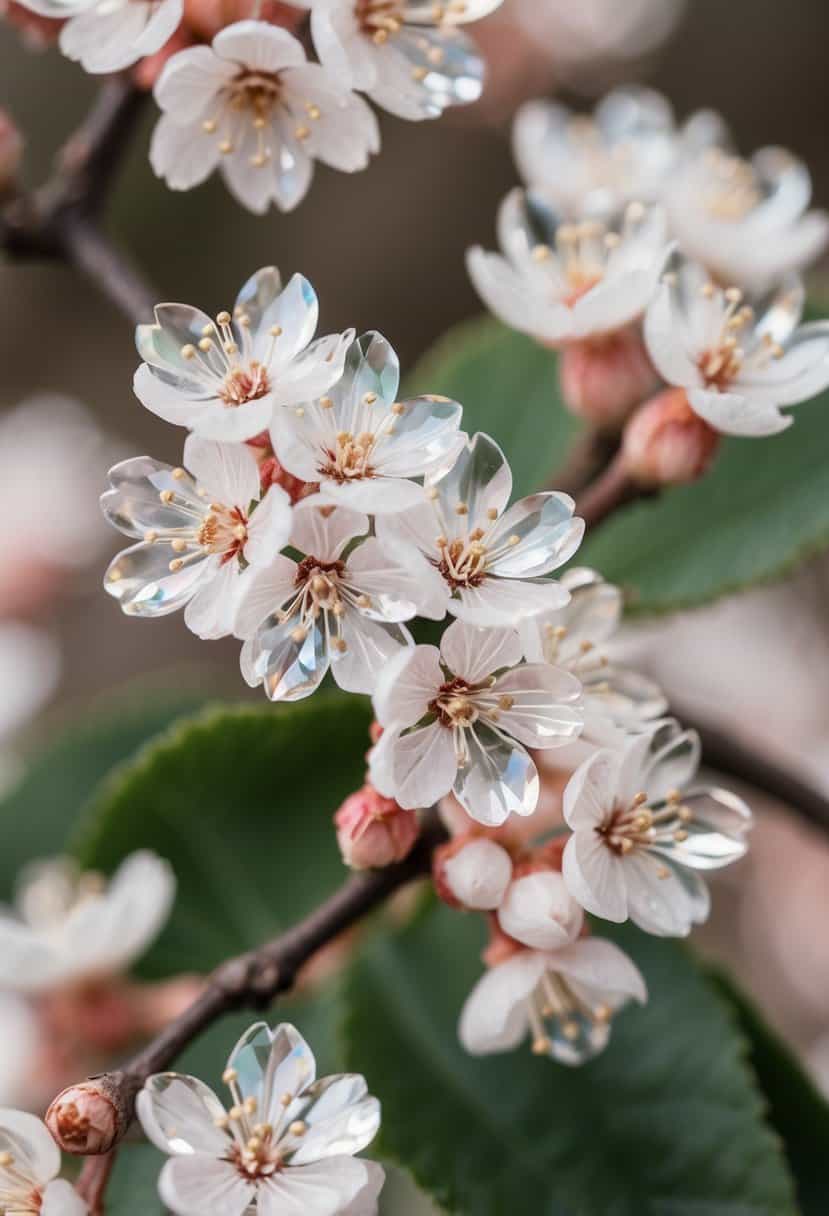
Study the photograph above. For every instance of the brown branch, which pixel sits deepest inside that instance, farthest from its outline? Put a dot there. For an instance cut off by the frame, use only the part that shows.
(253, 980)
(61, 220)
(590, 452)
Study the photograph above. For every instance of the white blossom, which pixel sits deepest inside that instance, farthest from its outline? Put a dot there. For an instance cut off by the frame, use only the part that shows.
(29, 670)
(360, 443)
(617, 700)
(29, 1167)
(594, 166)
(738, 364)
(461, 719)
(224, 378)
(480, 561)
(70, 927)
(562, 281)
(407, 55)
(565, 999)
(338, 608)
(201, 527)
(745, 221)
(639, 839)
(286, 1144)
(108, 35)
(253, 106)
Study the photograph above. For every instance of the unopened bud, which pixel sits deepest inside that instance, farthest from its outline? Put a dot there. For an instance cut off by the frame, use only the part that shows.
(666, 443)
(84, 1119)
(603, 380)
(207, 17)
(11, 152)
(373, 831)
(271, 472)
(472, 872)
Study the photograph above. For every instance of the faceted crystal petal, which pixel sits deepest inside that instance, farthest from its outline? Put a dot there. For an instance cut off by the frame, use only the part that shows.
(372, 369)
(134, 504)
(779, 313)
(288, 323)
(479, 481)
(593, 613)
(422, 12)
(179, 1114)
(446, 64)
(425, 436)
(160, 345)
(622, 695)
(288, 661)
(537, 535)
(257, 294)
(369, 647)
(714, 836)
(391, 590)
(498, 780)
(272, 1066)
(341, 1117)
(141, 580)
(576, 1037)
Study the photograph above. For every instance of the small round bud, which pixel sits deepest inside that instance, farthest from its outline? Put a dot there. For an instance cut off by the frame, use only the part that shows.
(666, 443)
(83, 1119)
(11, 152)
(373, 831)
(271, 472)
(603, 380)
(472, 872)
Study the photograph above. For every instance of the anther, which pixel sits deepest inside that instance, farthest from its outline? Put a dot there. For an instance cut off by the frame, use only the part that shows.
(299, 1128)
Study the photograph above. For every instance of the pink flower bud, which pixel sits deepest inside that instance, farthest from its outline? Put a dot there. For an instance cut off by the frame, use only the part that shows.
(472, 872)
(38, 32)
(271, 472)
(83, 1119)
(604, 379)
(666, 443)
(373, 831)
(11, 151)
(207, 17)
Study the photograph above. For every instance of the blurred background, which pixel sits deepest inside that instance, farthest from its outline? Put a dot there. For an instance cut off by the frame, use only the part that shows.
(384, 250)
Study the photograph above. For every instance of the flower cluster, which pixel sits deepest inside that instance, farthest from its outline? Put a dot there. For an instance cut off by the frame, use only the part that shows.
(316, 516)
(250, 103)
(651, 255)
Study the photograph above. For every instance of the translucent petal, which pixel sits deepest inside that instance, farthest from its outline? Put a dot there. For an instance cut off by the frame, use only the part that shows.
(272, 1065)
(160, 345)
(427, 70)
(535, 536)
(474, 654)
(371, 367)
(714, 836)
(194, 1186)
(291, 665)
(537, 704)
(480, 480)
(341, 1117)
(779, 313)
(592, 615)
(369, 646)
(499, 778)
(623, 695)
(134, 504)
(141, 581)
(179, 1113)
(422, 12)
(576, 1037)
(322, 533)
(255, 296)
(425, 439)
(294, 311)
(30, 1144)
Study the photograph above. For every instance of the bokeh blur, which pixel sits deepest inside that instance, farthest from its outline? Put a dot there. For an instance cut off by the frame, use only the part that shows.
(384, 250)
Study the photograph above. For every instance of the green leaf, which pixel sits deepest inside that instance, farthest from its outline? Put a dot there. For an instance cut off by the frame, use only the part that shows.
(667, 1121)
(762, 510)
(508, 386)
(38, 815)
(240, 802)
(796, 1110)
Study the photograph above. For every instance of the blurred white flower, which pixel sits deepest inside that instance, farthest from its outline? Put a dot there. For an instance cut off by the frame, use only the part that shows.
(593, 166)
(405, 54)
(72, 927)
(564, 998)
(561, 282)
(617, 700)
(286, 1144)
(639, 839)
(21, 1041)
(29, 670)
(360, 443)
(108, 35)
(50, 442)
(474, 558)
(331, 610)
(224, 379)
(461, 719)
(737, 363)
(746, 221)
(252, 105)
(200, 527)
(29, 1167)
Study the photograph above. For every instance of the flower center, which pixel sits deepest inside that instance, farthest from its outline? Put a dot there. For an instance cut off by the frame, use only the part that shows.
(321, 589)
(379, 18)
(19, 1195)
(640, 827)
(454, 705)
(563, 1022)
(725, 359)
(223, 359)
(731, 188)
(258, 1150)
(218, 530)
(464, 560)
(252, 99)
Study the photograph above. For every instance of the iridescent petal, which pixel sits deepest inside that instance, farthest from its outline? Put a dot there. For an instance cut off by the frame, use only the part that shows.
(341, 1117)
(535, 536)
(271, 1066)
(294, 313)
(290, 663)
(499, 778)
(255, 296)
(141, 580)
(160, 345)
(480, 481)
(425, 438)
(134, 503)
